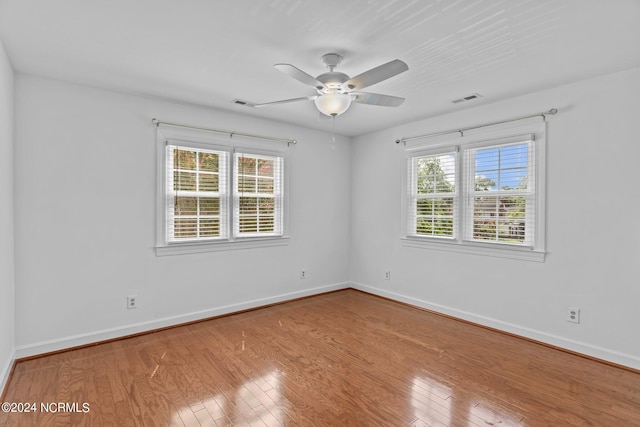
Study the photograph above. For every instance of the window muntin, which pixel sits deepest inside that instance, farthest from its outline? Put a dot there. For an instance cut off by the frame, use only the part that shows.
(196, 195)
(432, 204)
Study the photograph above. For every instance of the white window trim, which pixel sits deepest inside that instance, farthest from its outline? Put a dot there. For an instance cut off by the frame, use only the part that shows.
(473, 139)
(202, 139)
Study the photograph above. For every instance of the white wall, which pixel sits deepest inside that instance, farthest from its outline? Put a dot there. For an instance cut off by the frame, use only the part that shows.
(593, 235)
(7, 322)
(85, 186)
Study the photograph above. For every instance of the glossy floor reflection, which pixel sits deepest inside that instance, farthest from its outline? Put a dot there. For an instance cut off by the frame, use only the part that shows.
(431, 402)
(256, 402)
(338, 359)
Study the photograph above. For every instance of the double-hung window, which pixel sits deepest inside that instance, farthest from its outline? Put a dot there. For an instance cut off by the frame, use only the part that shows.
(501, 193)
(433, 197)
(196, 193)
(218, 196)
(481, 194)
(257, 195)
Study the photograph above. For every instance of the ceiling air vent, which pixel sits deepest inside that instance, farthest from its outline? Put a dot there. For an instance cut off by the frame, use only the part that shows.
(467, 98)
(242, 102)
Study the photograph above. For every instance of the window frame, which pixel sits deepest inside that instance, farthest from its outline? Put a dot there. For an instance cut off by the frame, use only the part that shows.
(198, 139)
(475, 139)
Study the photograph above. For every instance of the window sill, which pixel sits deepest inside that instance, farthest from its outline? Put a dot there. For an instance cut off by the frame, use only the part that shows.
(524, 254)
(198, 247)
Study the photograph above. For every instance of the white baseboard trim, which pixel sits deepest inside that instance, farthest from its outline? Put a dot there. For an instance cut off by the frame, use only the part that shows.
(6, 370)
(554, 340)
(114, 333)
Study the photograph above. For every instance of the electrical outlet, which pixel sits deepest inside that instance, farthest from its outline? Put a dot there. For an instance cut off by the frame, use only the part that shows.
(387, 275)
(573, 315)
(132, 301)
(303, 274)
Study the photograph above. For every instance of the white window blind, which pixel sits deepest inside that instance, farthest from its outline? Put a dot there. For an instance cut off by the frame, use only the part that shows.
(196, 194)
(257, 195)
(501, 195)
(433, 196)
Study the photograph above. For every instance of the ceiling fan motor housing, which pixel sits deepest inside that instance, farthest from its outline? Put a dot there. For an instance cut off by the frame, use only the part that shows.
(332, 81)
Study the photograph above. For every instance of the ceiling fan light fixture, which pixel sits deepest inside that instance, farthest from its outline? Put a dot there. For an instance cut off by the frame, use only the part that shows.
(333, 104)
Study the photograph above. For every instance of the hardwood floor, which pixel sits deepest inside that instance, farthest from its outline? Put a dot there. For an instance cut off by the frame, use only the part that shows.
(339, 359)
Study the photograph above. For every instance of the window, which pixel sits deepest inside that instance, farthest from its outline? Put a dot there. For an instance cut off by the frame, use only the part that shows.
(196, 194)
(218, 197)
(257, 195)
(501, 193)
(478, 194)
(433, 195)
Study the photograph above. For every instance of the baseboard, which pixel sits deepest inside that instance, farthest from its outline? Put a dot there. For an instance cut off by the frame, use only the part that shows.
(5, 373)
(44, 347)
(588, 350)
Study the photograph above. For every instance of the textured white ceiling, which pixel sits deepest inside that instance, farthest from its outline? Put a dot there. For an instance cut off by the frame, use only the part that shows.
(209, 52)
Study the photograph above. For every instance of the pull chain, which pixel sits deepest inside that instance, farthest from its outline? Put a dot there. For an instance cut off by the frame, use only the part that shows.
(333, 133)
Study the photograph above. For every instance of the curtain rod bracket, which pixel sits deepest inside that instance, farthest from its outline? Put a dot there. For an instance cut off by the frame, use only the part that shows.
(551, 111)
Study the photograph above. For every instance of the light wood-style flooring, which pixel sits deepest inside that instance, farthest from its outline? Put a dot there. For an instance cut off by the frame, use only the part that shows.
(339, 359)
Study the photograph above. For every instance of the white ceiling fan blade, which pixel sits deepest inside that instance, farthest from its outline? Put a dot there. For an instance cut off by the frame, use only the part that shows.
(300, 75)
(284, 101)
(377, 99)
(375, 75)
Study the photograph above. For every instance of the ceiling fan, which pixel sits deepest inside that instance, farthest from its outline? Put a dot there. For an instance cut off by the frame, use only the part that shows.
(337, 90)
